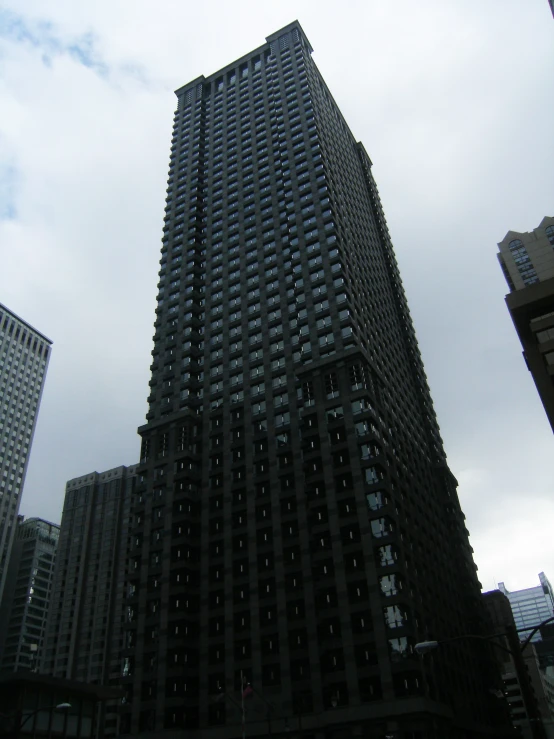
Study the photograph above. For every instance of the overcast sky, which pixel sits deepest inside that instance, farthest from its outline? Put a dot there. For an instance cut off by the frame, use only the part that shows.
(453, 100)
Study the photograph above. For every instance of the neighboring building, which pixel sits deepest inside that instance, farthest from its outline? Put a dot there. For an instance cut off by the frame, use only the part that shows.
(531, 606)
(551, 3)
(84, 630)
(542, 686)
(539, 685)
(24, 357)
(545, 648)
(295, 523)
(24, 607)
(527, 260)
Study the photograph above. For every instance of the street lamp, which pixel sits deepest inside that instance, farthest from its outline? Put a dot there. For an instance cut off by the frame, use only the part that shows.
(515, 649)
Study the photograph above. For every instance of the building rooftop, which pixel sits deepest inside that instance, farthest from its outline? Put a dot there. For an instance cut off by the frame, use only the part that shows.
(22, 321)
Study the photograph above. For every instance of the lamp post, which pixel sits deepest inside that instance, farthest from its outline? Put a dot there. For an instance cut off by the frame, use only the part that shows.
(515, 649)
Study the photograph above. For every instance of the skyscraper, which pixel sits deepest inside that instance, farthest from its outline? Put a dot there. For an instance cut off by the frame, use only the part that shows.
(295, 524)
(24, 357)
(85, 621)
(527, 261)
(24, 607)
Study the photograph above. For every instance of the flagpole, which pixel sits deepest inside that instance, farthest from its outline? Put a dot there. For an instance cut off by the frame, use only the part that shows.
(242, 701)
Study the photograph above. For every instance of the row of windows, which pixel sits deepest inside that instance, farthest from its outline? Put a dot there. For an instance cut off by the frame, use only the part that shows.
(275, 123)
(261, 143)
(259, 115)
(252, 68)
(294, 308)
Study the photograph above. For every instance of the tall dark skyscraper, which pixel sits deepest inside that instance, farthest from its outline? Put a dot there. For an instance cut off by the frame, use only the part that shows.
(295, 521)
(84, 631)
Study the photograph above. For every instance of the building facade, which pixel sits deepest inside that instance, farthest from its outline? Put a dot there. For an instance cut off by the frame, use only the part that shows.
(295, 524)
(24, 607)
(24, 357)
(84, 629)
(524, 681)
(527, 261)
(531, 606)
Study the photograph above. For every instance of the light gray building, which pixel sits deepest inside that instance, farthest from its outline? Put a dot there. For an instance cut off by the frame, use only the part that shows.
(531, 606)
(24, 357)
(85, 623)
(24, 607)
(527, 261)
(528, 258)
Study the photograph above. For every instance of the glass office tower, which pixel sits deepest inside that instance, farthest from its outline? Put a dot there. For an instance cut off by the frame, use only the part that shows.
(295, 524)
(531, 606)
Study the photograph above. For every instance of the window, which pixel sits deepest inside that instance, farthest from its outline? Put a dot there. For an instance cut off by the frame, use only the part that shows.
(331, 386)
(334, 414)
(279, 381)
(395, 616)
(282, 418)
(376, 500)
(381, 527)
(546, 335)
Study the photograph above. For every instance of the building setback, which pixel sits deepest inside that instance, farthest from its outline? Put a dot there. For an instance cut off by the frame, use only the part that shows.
(295, 524)
(84, 628)
(24, 607)
(24, 357)
(527, 261)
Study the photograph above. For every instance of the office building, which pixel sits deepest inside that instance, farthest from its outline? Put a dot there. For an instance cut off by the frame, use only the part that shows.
(84, 629)
(24, 357)
(527, 688)
(531, 606)
(24, 607)
(527, 261)
(295, 523)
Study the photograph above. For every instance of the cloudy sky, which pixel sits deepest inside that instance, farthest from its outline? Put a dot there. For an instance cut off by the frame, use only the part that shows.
(453, 101)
